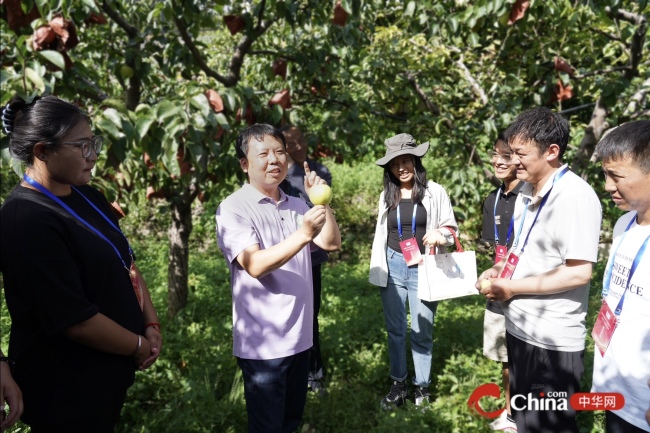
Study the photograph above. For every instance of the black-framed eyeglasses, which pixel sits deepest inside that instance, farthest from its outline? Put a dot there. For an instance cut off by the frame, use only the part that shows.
(89, 144)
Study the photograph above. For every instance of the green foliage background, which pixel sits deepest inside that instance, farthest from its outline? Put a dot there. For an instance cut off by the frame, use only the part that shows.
(196, 386)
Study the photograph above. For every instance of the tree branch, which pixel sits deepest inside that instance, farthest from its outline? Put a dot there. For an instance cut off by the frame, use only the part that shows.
(593, 133)
(638, 40)
(608, 35)
(602, 71)
(133, 91)
(476, 87)
(642, 113)
(119, 20)
(431, 106)
(260, 15)
(99, 94)
(237, 60)
(637, 99)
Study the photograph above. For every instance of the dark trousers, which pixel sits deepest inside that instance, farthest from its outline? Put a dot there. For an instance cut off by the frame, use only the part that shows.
(316, 359)
(533, 371)
(276, 392)
(616, 424)
(98, 411)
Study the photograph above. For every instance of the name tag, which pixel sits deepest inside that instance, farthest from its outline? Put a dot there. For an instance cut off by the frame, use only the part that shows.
(499, 253)
(604, 328)
(511, 264)
(411, 251)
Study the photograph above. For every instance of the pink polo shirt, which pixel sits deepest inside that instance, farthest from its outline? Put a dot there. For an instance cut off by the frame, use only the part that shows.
(272, 315)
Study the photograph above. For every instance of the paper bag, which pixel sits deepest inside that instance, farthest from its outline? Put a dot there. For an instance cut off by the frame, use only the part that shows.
(446, 276)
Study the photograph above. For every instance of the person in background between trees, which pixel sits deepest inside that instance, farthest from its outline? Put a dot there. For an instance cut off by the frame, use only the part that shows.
(411, 208)
(82, 320)
(498, 228)
(543, 283)
(296, 158)
(266, 238)
(624, 366)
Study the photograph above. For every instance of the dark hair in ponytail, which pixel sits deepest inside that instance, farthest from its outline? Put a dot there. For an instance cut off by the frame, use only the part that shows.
(46, 119)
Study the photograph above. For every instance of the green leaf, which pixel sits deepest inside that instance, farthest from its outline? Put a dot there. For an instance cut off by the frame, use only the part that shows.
(201, 102)
(223, 122)
(143, 124)
(35, 78)
(109, 127)
(90, 4)
(112, 115)
(53, 57)
(166, 109)
(410, 9)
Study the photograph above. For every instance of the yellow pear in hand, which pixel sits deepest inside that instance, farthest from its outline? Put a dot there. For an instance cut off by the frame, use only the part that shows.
(320, 194)
(485, 284)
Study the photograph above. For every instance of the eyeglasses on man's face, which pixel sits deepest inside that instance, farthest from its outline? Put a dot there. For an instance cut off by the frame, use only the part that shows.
(495, 156)
(88, 145)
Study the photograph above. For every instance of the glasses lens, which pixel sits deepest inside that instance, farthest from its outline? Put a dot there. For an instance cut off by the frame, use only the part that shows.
(502, 156)
(98, 142)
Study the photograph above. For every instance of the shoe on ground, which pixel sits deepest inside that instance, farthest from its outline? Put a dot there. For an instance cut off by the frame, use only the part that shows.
(422, 396)
(396, 397)
(503, 424)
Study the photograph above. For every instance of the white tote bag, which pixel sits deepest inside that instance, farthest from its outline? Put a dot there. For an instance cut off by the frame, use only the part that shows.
(446, 276)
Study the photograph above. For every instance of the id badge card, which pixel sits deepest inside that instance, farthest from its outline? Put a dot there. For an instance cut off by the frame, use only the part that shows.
(499, 253)
(511, 264)
(604, 328)
(138, 284)
(411, 252)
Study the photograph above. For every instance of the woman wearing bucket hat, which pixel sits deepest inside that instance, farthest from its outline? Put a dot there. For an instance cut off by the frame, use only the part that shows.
(414, 214)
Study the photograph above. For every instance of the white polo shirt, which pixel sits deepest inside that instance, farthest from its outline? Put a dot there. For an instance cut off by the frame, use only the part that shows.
(567, 228)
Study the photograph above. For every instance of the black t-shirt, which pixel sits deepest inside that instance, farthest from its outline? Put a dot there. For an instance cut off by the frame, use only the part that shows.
(57, 273)
(504, 211)
(406, 216)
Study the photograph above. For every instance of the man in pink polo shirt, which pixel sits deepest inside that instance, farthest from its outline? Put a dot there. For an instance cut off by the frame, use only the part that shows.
(266, 237)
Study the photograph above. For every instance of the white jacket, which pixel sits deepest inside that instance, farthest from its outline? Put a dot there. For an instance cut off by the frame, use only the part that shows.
(439, 214)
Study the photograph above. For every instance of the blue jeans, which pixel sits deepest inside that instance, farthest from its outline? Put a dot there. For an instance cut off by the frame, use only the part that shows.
(403, 283)
(276, 392)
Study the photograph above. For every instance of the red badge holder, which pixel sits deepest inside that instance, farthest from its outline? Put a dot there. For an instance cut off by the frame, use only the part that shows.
(509, 267)
(500, 253)
(138, 283)
(411, 252)
(604, 328)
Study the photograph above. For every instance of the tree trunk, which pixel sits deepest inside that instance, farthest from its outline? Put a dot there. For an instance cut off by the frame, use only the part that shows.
(594, 131)
(178, 269)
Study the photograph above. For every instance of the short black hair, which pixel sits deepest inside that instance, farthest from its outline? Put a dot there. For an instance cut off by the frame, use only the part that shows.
(630, 139)
(257, 131)
(540, 126)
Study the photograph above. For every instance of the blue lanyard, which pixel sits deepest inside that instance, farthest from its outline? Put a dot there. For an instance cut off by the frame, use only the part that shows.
(512, 220)
(45, 191)
(635, 265)
(539, 210)
(399, 221)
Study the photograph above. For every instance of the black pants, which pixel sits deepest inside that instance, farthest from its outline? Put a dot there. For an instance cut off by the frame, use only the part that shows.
(538, 376)
(276, 392)
(315, 357)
